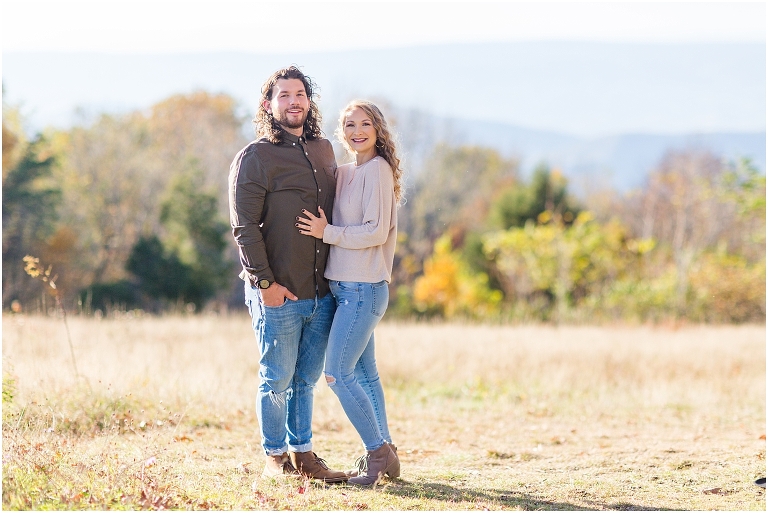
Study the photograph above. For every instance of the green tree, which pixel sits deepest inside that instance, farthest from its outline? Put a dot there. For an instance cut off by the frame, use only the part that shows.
(547, 191)
(556, 267)
(199, 127)
(30, 199)
(186, 263)
(454, 188)
(195, 234)
(111, 181)
(544, 197)
(159, 273)
(116, 172)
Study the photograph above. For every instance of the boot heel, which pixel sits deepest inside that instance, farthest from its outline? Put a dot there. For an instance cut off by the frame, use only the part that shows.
(395, 470)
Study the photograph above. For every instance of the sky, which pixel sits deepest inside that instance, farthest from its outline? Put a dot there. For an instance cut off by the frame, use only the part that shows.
(163, 26)
(615, 89)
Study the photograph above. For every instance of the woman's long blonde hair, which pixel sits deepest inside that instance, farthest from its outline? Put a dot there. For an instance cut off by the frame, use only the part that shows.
(385, 139)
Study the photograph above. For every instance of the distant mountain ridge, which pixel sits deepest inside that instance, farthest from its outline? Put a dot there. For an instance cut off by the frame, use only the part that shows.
(480, 93)
(621, 161)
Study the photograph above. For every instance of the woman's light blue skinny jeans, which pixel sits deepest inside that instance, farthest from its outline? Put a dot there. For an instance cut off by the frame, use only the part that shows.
(350, 362)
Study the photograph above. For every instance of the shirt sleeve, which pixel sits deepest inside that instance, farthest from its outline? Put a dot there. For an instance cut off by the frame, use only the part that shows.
(248, 185)
(378, 196)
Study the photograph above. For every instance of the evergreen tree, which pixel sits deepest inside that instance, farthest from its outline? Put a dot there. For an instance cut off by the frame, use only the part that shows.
(29, 213)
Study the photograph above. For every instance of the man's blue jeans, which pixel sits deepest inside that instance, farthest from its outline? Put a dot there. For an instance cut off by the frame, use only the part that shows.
(350, 365)
(292, 341)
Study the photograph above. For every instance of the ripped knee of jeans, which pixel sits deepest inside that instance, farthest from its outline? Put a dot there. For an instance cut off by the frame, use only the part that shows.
(280, 398)
(330, 380)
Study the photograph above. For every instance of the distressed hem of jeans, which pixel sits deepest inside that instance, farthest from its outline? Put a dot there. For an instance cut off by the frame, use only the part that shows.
(276, 452)
(300, 448)
(330, 380)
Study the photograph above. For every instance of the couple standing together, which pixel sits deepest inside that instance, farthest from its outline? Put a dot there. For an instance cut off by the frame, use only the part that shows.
(317, 245)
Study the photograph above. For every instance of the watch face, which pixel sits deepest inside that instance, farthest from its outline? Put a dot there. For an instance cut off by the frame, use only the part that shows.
(263, 284)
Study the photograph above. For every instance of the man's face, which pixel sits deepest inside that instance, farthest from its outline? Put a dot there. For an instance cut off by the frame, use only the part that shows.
(289, 104)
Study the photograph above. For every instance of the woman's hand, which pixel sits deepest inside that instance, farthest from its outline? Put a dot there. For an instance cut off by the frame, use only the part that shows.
(313, 226)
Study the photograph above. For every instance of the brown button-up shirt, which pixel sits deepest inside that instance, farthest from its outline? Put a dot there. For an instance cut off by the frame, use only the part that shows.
(269, 185)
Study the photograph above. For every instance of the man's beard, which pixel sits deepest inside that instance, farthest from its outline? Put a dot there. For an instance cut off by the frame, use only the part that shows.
(282, 120)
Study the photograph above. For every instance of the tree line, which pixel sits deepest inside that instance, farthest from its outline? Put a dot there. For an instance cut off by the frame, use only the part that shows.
(130, 213)
(129, 210)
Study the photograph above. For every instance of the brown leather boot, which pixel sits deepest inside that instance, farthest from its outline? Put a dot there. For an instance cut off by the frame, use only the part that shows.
(312, 466)
(361, 462)
(376, 464)
(278, 466)
(395, 470)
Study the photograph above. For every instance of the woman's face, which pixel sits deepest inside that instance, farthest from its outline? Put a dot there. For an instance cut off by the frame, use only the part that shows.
(359, 131)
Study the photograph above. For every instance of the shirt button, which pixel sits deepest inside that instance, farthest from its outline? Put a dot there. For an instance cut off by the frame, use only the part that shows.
(315, 270)
(294, 144)
(315, 170)
(318, 251)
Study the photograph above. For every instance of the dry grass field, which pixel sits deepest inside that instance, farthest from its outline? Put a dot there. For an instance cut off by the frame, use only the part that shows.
(485, 417)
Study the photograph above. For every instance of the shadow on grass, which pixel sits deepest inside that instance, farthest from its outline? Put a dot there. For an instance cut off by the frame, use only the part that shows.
(507, 498)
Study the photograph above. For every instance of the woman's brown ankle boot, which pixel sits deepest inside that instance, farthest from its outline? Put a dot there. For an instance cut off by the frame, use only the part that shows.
(377, 463)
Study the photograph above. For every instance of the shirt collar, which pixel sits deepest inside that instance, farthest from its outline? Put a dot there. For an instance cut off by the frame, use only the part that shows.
(290, 138)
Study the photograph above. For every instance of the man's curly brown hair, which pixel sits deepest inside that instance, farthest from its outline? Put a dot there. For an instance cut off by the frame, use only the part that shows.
(265, 123)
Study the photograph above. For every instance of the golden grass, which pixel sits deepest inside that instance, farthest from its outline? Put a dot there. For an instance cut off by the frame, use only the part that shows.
(526, 417)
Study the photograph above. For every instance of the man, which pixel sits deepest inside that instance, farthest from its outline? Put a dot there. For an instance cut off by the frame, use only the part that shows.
(288, 168)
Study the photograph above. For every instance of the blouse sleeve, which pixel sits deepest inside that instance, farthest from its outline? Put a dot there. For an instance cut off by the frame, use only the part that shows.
(378, 196)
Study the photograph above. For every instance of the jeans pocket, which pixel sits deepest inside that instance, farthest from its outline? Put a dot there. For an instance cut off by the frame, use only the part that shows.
(345, 292)
(285, 302)
(348, 286)
(380, 293)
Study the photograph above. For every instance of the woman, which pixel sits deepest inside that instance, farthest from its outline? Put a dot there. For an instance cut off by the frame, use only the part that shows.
(359, 269)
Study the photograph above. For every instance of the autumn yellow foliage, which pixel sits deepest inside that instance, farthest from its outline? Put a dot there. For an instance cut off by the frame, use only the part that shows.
(448, 287)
